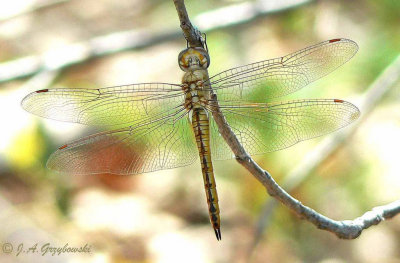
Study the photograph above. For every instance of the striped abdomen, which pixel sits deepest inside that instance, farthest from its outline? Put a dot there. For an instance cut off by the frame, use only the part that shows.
(201, 128)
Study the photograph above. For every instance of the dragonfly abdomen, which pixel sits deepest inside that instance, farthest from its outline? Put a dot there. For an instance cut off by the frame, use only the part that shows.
(201, 128)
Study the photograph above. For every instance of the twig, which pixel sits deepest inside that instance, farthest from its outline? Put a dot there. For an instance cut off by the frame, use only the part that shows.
(192, 35)
(343, 229)
(135, 39)
(374, 94)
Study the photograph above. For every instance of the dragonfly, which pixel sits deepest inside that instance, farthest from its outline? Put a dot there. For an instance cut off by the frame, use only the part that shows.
(155, 126)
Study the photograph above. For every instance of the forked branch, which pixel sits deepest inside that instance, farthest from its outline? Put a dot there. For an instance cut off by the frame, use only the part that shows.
(347, 229)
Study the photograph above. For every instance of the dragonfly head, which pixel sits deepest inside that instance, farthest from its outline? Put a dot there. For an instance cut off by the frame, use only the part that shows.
(193, 58)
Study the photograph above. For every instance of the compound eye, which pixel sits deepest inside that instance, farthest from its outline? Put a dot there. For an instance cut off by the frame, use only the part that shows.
(183, 61)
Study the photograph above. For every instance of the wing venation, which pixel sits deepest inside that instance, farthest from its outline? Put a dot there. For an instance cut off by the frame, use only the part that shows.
(267, 127)
(265, 80)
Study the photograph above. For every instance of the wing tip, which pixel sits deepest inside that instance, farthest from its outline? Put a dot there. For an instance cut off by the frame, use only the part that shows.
(26, 102)
(61, 164)
(355, 114)
(346, 40)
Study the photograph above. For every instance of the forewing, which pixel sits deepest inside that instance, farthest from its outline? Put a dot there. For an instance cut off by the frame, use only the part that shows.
(263, 128)
(150, 146)
(264, 80)
(127, 104)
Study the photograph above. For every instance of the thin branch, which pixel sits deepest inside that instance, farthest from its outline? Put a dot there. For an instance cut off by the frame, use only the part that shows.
(373, 95)
(343, 229)
(134, 39)
(192, 35)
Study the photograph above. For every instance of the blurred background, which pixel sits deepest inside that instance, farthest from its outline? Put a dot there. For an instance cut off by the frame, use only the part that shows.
(162, 216)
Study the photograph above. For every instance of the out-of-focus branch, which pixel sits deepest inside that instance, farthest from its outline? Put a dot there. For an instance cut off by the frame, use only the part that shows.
(32, 7)
(348, 229)
(373, 95)
(243, 13)
(80, 52)
(135, 39)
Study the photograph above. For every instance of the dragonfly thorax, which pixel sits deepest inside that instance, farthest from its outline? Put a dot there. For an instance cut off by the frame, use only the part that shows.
(196, 93)
(194, 61)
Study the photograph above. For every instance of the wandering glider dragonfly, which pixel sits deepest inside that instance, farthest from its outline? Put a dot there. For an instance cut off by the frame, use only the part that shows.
(161, 126)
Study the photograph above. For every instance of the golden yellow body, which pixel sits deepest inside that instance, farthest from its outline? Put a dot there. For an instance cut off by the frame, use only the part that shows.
(197, 95)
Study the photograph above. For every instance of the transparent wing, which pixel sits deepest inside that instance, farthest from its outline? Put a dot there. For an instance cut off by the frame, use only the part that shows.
(154, 145)
(158, 136)
(269, 127)
(127, 104)
(262, 81)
